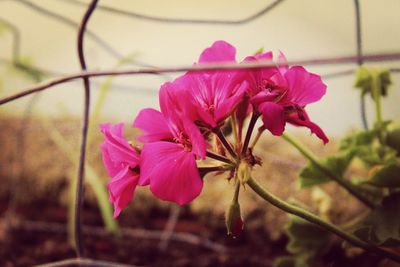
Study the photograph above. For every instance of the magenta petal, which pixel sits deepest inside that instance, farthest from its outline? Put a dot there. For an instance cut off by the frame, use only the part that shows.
(121, 189)
(172, 172)
(304, 87)
(116, 151)
(295, 120)
(153, 125)
(273, 116)
(197, 140)
(220, 51)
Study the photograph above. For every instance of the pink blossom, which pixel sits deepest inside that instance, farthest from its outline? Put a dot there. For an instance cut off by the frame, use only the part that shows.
(211, 96)
(281, 94)
(122, 164)
(172, 145)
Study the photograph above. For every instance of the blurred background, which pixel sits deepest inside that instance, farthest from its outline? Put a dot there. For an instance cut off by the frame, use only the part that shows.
(39, 135)
(301, 29)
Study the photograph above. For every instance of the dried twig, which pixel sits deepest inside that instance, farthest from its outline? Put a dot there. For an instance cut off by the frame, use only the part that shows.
(169, 227)
(84, 262)
(187, 238)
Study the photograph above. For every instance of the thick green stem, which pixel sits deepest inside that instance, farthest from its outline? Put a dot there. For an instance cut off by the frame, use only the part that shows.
(310, 217)
(342, 182)
(236, 194)
(376, 92)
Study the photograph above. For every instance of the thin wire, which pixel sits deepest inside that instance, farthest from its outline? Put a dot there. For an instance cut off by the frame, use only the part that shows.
(67, 21)
(360, 60)
(135, 15)
(221, 67)
(85, 126)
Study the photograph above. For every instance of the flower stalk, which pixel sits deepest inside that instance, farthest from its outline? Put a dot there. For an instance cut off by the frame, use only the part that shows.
(342, 182)
(310, 217)
(252, 123)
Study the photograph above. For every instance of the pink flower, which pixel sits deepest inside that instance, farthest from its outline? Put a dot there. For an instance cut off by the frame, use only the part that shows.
(281, 94)
(122, 164)
(172, 145)
(211, 96)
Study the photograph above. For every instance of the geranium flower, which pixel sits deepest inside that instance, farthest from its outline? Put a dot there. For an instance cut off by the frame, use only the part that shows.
(172, 145)
(122, 164)
(211, 96)
(281, 93)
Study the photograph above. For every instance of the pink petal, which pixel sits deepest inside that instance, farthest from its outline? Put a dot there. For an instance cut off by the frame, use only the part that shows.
(304, 87)
(153, 124)
(178, 121)
(121, 189)
(117, 152)
(282, 60)
(220, 51)
(273, 116)
(172, 172)
(294, 119)
(197, 140)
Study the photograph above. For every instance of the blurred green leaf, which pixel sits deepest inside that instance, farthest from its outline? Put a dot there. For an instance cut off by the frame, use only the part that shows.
(393, 140)
(387, 176)
(312, 175)
(305, 238)
(365, 80)
(382, 226)
(358, 139)
(290, 261)
(259, 51)
(376, 155)
(306, 242)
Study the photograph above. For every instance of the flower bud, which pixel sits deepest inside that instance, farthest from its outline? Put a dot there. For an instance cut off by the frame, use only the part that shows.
(233, 220)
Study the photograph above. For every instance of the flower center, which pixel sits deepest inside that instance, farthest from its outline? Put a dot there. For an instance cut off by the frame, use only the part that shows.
(184, 140)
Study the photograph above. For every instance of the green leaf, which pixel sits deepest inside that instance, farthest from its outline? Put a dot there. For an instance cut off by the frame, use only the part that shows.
(365, 80)
(305, 238)
(306, 242)
(259, 51)
(312, 175)
(382, 226)
(358, 139)
(290, 261)
(387, 176)
(393, 140)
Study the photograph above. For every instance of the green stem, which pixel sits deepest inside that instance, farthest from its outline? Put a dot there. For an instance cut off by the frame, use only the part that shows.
(219, 157)
(376, 93)
(342, 182)
(236, 194)
(310, 217)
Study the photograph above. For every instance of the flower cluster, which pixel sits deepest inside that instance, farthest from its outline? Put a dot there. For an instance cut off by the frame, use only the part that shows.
(198, 112)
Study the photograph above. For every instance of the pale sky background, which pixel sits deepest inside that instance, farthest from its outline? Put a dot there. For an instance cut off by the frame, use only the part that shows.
(301, 29)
